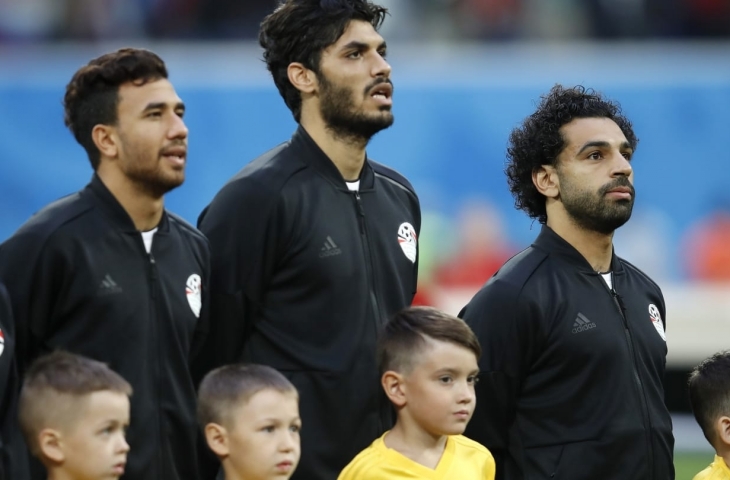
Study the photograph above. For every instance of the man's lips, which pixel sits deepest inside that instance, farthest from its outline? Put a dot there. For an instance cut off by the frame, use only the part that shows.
(624, 193)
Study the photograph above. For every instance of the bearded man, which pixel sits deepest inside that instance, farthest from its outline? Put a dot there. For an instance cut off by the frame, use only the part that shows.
(570, 382)
(314, 244)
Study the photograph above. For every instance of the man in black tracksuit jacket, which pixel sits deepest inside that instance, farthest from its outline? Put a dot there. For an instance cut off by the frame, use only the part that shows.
(109, 274)
(573, 336)
(13, 453)
(311, 257)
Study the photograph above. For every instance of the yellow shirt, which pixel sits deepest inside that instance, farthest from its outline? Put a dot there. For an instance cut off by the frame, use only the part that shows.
(716, 471)
(463, 459)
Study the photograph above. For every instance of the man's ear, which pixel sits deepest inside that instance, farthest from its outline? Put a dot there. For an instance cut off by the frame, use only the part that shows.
(106, 140)
(722, 428)
(51, 445)
(545, 178)
(303, 79)
(395, 388)
(217, 438)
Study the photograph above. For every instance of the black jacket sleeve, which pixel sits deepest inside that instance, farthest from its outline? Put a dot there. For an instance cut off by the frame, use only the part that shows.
(32, 267)
(241, 225)
(507, 326)
(13, 453)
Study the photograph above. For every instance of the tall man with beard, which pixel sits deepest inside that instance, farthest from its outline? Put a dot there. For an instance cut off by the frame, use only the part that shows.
(107, 272)
(573, 336)
(314, 244)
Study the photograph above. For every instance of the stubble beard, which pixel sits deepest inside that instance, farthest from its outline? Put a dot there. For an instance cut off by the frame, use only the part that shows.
(148, 175)
(341, 117)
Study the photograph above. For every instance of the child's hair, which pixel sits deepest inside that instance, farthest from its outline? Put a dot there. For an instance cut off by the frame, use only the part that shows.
(709, 392)
(53, 388)
(227, 387)
(405, 334)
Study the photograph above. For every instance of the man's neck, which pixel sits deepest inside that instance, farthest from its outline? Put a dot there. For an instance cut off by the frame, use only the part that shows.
(596, 248)
(412, 441)
(346, 153)
(144, 209)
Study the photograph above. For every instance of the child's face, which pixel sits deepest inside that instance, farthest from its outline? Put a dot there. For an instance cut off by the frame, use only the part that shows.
(263, 442)
(440, 388)
(94, 447)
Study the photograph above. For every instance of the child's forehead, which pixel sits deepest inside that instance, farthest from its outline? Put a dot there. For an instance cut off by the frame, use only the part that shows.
(438, 353)
(264, 400)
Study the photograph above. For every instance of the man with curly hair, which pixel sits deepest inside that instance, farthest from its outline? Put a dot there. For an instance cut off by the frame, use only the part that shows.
(573, 335)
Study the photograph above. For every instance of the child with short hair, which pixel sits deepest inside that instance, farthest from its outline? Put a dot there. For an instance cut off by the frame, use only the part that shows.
(250, 418)
(428, 366)
(73, 412)
(709, 394)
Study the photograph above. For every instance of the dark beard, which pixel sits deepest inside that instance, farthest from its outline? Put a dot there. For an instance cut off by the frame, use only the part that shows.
(339, 114)
(597, 214)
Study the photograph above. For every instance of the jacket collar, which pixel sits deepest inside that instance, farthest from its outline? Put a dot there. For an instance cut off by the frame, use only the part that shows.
(114, 210)
(309, 152)
(553, 243)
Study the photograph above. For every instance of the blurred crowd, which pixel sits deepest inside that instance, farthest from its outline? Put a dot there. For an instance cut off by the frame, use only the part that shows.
(39, 20)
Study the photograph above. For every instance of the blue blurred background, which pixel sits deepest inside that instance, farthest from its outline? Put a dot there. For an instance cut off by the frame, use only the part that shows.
(465, 72)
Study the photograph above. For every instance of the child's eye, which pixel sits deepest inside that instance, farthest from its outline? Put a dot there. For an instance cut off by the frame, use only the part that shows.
(472, 379)
(295, 428)
(446, 379)
(269, 429)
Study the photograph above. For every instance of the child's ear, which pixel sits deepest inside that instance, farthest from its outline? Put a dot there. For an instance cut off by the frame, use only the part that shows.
(51, 446)
(217, 438)
(722, 426)
(394, 387)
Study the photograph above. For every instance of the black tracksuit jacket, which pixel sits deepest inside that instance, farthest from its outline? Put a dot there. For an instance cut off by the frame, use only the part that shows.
(304, 274)
(81, 280)
(571, 375)
(13, 453)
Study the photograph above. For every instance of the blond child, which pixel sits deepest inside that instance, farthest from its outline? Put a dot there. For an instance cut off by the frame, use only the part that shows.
(250, 418)
(709, 393)
(74, 412)
(428, 365)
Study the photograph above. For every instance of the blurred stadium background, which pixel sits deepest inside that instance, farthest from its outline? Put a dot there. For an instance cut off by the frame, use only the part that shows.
(466, 72)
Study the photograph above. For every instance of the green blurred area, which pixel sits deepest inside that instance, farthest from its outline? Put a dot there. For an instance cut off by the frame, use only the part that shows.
(687, 465)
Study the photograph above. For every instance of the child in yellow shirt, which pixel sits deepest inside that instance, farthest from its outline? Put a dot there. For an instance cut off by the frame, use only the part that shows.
(709, 393)
(428, 365)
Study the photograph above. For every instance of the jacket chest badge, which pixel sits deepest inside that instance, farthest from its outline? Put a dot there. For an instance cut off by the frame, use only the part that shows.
(408, 241)
(2, 342)
(192, 290)
(656, 320)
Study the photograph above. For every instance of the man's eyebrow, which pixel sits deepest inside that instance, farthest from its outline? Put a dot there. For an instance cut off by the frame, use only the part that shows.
(602, 144)
(162, 105)
(357, 45)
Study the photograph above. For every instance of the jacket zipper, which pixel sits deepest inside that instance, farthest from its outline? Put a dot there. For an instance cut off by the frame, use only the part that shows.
(371, 279)
(640, 385)
(154, 343)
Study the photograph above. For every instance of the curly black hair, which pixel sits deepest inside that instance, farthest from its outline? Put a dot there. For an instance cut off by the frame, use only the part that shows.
(92, 95)
(538, 140)
(299, 30)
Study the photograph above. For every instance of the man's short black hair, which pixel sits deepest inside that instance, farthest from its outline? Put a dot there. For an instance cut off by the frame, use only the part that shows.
(300, 30)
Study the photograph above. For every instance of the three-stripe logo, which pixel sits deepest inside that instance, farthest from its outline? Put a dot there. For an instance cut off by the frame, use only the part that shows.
(582, 323)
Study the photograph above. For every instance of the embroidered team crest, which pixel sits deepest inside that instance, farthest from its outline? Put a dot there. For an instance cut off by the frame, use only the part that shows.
(656, 320)
(408, 241)
(2, 342)
(192, 291)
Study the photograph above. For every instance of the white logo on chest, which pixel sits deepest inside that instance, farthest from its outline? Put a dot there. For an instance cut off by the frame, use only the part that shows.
(408, 241)
(656, 320)
(192, 290)
(2, 342)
